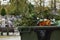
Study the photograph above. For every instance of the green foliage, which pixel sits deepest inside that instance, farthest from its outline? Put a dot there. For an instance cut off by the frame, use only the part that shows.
(27, 21)
(28, 11)
(3, 12)
(28, 17)
(31, 7)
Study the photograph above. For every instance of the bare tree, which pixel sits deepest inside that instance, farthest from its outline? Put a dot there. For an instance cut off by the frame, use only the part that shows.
(55, 5)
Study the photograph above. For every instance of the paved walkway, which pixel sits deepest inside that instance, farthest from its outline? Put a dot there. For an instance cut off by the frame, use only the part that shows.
(11, 38)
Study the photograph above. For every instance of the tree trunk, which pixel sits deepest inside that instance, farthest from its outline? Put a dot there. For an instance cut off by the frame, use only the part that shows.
(55, 5)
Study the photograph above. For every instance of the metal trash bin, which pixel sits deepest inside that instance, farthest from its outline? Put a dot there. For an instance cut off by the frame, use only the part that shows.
(27, 34)
(55, 35)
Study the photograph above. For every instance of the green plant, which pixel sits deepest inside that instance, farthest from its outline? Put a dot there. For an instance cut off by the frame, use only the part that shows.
(3, 12)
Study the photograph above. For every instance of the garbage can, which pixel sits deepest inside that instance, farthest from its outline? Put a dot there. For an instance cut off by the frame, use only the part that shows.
(27, 34)
(55, 35)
